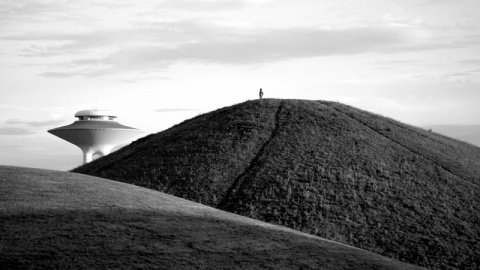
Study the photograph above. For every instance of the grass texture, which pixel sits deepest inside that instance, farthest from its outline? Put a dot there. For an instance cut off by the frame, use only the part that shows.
(60, 220)
(323, 168)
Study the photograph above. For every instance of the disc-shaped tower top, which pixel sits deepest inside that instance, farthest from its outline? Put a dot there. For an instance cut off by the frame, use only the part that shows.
(95, 115)
(95, 132)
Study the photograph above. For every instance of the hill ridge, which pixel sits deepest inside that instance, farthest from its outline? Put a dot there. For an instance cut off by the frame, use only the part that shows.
(441, 166)
(406, 147)
(323, 168)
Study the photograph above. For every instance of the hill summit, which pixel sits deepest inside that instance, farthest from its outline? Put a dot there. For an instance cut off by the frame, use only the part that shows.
(323, 168)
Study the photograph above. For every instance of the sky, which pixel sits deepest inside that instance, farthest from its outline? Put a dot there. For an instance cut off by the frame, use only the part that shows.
(157, 63)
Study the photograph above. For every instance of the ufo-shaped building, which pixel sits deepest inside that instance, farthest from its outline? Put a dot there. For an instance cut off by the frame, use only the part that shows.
(96, 132)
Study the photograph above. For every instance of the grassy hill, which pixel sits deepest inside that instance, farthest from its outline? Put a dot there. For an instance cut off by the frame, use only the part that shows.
(59, 220)
(323, 168)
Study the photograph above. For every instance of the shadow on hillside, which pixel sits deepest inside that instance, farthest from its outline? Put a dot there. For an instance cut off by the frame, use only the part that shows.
(148, 239)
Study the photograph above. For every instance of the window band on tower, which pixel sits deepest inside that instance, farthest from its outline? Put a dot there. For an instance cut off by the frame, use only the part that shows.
(90, 117)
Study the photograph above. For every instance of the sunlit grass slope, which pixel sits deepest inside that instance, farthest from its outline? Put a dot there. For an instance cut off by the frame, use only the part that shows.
(59, 220)
(322, 168)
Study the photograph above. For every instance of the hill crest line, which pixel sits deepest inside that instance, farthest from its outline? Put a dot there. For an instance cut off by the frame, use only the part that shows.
(404, 146)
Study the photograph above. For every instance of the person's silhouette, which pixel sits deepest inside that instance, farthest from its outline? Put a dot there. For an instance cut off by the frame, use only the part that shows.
(260, 93)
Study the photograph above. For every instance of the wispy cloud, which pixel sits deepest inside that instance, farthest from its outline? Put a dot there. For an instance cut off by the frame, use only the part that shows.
(176, 110)
(57, 74)
(458, 77)
(153, 45)
(461, 77)
(166, 44)
(16, 11)
(15, 131)
(474, 62)
(208, 5)
(34, 123)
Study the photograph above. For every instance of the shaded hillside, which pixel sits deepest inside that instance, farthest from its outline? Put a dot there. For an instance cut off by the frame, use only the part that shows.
(59, 220)
(323, 168)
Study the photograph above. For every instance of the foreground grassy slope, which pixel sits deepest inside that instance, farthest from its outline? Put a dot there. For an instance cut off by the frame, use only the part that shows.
(58, 220)
(323, 168)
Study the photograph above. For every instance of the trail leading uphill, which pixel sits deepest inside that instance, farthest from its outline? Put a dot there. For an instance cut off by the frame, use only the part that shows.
(323, 168)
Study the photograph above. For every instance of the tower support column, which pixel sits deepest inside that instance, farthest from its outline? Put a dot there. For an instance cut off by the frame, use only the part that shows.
(87, 157)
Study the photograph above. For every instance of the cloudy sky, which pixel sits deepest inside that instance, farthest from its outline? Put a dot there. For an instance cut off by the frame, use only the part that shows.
(156, 63)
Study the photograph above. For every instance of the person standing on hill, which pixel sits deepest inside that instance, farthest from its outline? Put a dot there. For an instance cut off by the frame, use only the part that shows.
(260, 93)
